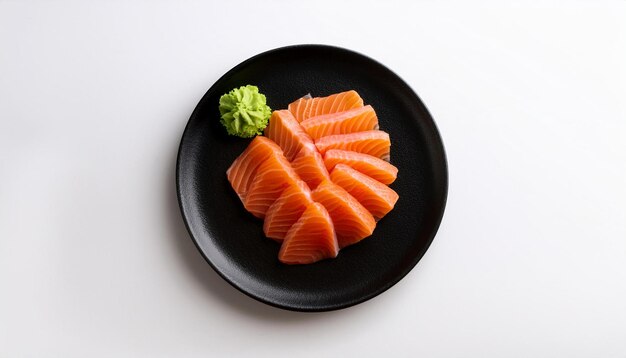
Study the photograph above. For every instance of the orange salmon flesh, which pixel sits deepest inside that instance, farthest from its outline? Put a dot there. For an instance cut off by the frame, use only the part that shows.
(318, 177)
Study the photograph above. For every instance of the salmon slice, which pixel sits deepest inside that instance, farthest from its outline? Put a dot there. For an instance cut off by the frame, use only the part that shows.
(287, 133)
(306, 107)
(374, 143)
(352, 221)
(350, 121)
(369, 165)
(241, 173)
(375, 196)
(273, 176)
(309, 165)
(311, 239)
(286, 210)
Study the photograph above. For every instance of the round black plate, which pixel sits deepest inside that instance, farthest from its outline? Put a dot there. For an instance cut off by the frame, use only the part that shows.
(232, 240)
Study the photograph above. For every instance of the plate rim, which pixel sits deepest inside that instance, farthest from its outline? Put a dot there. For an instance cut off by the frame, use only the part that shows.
(332, 307)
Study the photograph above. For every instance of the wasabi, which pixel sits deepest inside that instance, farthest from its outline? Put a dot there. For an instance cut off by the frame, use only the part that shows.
(244, 111)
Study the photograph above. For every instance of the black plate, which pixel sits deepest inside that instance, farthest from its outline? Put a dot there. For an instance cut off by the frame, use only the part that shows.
(232, 240)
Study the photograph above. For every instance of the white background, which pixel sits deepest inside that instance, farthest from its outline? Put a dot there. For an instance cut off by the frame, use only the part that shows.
(530, 99)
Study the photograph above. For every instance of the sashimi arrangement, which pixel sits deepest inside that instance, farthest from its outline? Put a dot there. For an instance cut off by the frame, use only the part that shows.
(318, 176)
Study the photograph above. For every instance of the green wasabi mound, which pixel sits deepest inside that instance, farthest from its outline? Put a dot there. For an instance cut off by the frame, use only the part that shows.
(244, 111)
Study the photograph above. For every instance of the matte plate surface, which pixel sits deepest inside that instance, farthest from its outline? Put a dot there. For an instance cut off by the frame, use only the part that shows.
(232, 240)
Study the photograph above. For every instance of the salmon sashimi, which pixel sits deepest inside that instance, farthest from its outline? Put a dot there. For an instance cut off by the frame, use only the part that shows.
(273, 176)
(287, 133)
(307, 107)
(369, 165)
(318, 177)
(374, 143)
(241, 173)
(375, 196)
(350, 121)
(311, 239)
(352, 221)
(309, 165)
(286, 210)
